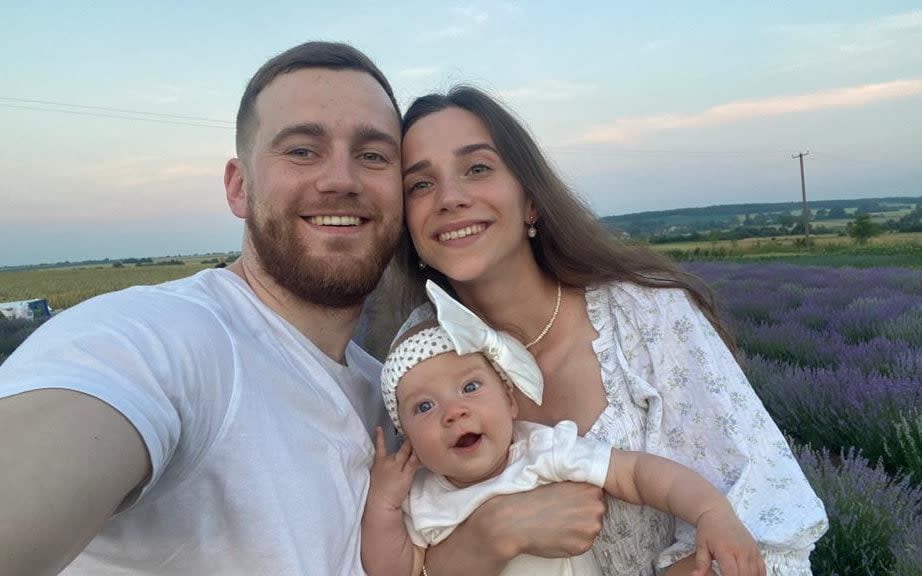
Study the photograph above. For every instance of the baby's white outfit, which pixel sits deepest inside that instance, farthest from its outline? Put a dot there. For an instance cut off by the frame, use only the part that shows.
(538, 455)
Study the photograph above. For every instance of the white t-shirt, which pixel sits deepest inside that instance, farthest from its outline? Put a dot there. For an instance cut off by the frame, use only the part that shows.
(538, 455)
(259, 442)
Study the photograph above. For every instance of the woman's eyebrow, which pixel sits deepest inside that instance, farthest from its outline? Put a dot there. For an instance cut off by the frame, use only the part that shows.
(471, 148)
(462, 151)
(419, 166)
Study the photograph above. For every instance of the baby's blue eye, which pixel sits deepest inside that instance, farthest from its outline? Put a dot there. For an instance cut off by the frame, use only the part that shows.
(424, 407)
(471, 387)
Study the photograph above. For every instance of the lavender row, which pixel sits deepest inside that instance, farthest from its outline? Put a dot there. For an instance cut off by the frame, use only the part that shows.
(836, 356)
(843, 408)
(835, 353)
(874, 521)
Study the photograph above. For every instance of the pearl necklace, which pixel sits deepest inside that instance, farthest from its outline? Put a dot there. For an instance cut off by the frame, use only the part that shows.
(547, 327)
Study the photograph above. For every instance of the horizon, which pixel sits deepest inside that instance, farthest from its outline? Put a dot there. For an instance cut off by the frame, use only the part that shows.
(116, 146)
(794, 205)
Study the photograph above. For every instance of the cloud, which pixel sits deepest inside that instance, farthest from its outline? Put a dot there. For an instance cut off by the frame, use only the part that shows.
(450, 32)
(882, 39)
(627, 129)
(655, 45)
(464, 21)
(418, 73)
(160, 94)
(472, 14)
(548, 91)
(138, 171)
(904, 21)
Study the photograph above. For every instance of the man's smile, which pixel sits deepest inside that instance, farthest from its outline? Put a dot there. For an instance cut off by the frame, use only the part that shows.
(335, 220)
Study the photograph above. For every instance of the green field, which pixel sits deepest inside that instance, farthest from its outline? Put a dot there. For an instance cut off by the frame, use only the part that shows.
(899, 249)
(65, 287)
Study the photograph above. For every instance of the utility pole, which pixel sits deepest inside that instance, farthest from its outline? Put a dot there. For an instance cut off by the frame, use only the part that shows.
(803, 190)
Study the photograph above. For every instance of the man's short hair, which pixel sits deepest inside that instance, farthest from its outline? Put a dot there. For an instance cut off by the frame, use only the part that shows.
(329, 55)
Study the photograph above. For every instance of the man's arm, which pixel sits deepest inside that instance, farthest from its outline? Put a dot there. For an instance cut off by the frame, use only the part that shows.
(555, 520)
(67, 461)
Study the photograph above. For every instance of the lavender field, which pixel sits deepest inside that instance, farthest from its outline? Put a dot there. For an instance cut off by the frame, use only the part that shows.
(836, 356)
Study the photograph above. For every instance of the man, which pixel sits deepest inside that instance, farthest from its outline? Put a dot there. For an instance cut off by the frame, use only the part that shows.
(221, 396)
(221, 424)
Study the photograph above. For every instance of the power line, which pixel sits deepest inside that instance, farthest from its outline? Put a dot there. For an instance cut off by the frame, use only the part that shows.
(598, 150)
(803, 188)
(110, 109)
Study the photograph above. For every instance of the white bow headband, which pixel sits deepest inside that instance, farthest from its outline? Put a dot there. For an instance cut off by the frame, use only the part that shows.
(460, 331)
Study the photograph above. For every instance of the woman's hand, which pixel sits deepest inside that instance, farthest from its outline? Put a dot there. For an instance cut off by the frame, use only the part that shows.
(553, 521)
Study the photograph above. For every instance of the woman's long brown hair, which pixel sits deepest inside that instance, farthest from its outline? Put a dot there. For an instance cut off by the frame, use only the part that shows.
(572, 245)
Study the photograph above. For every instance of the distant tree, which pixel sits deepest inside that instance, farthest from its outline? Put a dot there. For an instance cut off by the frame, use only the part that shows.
(862, 228)
(786, 219)
(837, 213)
(911, 222)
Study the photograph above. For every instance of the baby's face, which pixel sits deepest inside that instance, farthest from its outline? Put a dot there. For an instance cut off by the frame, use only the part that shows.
(457, 413)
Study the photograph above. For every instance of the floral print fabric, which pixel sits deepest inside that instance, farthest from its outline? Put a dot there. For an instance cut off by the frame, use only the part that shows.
(675, 390)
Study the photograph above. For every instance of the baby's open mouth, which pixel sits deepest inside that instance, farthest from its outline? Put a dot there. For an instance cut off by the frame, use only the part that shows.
(467, 440)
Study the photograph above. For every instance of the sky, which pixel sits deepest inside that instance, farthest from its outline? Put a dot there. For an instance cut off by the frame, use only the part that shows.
(116, 117)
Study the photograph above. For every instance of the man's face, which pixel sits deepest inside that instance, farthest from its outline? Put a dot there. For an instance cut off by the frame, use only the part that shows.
(322, 184)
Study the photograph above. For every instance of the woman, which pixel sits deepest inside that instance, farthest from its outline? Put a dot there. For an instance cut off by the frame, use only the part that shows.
(630, 346)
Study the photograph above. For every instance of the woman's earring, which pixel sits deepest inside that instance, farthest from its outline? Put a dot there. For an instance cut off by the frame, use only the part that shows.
(532, 231)
(422, 265)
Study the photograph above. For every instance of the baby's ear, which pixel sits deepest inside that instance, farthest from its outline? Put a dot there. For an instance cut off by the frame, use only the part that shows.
(513, 405)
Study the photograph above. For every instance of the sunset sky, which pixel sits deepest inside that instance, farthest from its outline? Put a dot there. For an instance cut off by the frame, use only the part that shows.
(116, 118)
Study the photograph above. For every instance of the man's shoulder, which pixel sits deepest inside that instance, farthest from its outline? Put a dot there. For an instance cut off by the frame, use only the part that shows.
(186, 310)
(201, 293)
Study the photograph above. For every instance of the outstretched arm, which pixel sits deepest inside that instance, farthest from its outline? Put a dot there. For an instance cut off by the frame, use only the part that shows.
(641, 478)
(68, 461)
(555, 520)
(386, 546)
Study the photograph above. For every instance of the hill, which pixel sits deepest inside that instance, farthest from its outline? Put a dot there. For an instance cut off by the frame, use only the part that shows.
(764, 219)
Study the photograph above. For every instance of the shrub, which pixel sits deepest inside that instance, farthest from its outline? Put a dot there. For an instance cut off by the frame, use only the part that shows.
(838, 408)
(905, 446)
(874, 524)
(14, 331)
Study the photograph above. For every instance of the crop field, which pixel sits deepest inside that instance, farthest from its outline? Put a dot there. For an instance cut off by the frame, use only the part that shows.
(836, 356)
(64, 287)
(790, 243)
(903, 249)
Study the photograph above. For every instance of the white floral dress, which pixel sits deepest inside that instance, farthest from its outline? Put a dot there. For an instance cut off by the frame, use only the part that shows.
(675, 390)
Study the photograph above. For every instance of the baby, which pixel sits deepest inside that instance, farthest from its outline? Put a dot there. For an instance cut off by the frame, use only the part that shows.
(447, 386)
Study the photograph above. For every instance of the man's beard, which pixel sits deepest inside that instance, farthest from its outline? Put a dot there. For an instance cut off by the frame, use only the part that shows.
(331, 281)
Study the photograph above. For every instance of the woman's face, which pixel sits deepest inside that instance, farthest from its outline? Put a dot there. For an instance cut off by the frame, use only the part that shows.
(466, 212)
